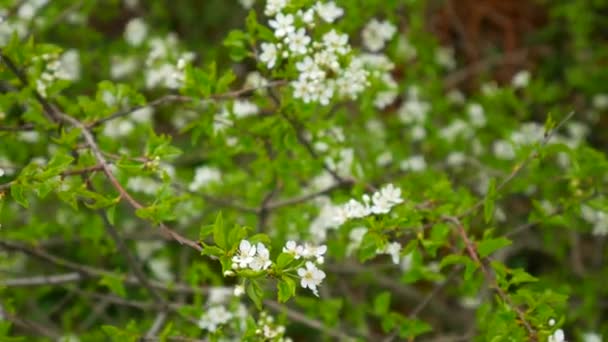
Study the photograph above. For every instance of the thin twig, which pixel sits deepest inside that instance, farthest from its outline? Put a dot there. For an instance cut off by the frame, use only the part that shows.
(184, 99)
(472, 251)
(303, 319)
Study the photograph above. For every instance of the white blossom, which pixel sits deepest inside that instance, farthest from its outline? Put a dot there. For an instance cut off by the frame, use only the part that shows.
(144, 185)
(600, 101)
(557, 336)
(384, 98)
(136, 31)
(414, 163)
(269, 54)
(598, 218)
(274, 6)
(239, 290)
(309, 69)
(476, 115)
(261, 260)
(376, 33)
(385, 199)
(356, 237)
(203, 176)
(311, 277)
(70, 65)
(282, 25)
(329, 11)
(244, 255)
(247, 4)
(294, 249)
(521, 79)
(393, 249)
(298, 41)
(308, 16)
(244, 108)
(214, 317)
(143, 114)
(456, 159)
(413, 110)
(336, 42)
(314, 252)
(445, 57)
(592, 337)
(121, 67)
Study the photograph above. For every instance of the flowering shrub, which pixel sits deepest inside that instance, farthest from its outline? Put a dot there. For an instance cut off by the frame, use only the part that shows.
(280, 170)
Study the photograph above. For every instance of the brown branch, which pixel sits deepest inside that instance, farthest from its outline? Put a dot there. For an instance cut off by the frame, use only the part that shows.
(303, 319)
(184, 99)
(488, 275)
(132, 261)
(86, 271)
(307, 197)
(90, 140)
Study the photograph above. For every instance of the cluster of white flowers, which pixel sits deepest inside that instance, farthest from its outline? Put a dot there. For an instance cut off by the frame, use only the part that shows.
(122, 127)
(21, 22)
(254, 257)
(592, 337)
(414, 111)
(376, 34)
(324, 220)
(393, 249)
(158, 264)
(521, 79)
(558, 335)
(239, 109)
(600, 101)
(444, 56)
(380, 202)
(476, 115)
(203, 176)
(311, 277)
(355, 237)
(270, 330)
(164, 66)
(136, 32)
(324, 69)
(596, 217)
(64, 67)
(306, 251)
(215, 317)
(414, 163)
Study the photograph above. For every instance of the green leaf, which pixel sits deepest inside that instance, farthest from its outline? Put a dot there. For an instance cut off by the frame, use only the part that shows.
(236, 42)
(213, 250)
(219, 234)
(17, 192)
(111, 213)
(520, 276)
(235, 235)
(453, 259)
(382, 303)
(283, 260)
(114, 284)
(287, 289)
(255, 293)
(411, 328)
(489, 246)
(369, 246)
(469, 269)
(205, 231)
